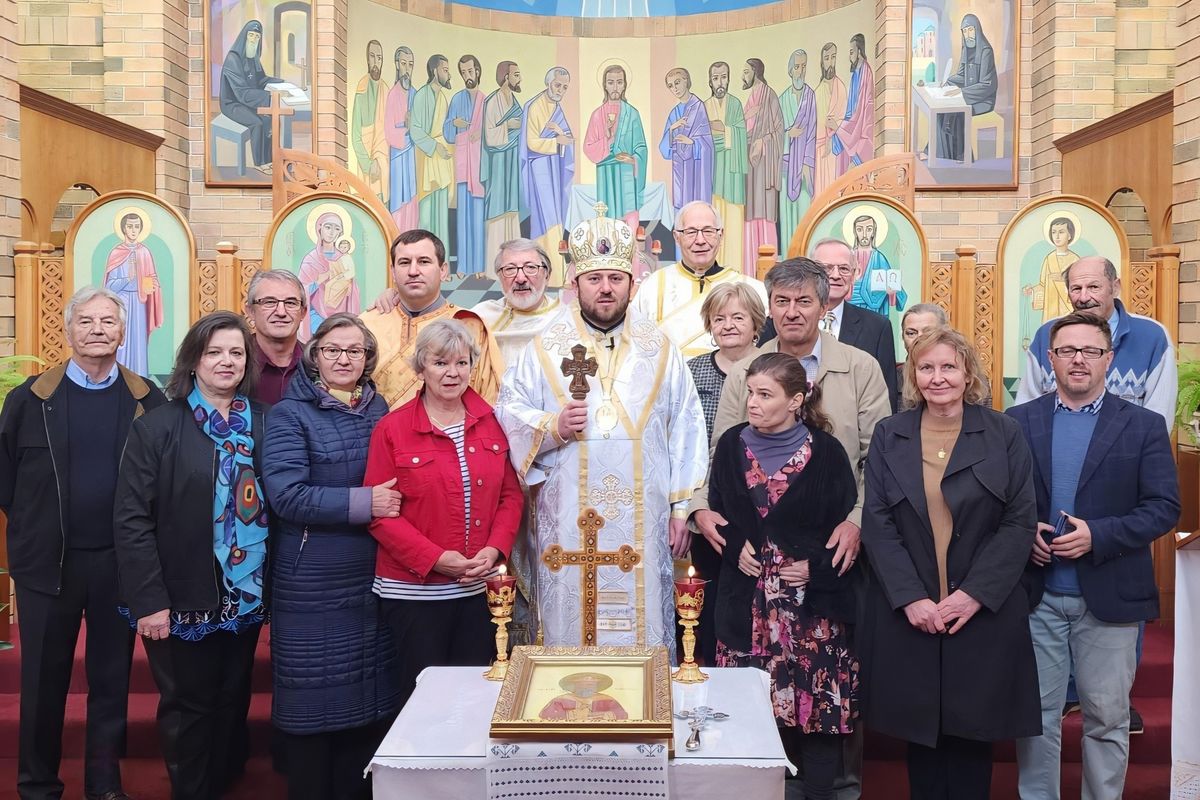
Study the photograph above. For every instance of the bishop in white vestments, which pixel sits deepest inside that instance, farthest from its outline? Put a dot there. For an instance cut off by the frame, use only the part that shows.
(633, 449)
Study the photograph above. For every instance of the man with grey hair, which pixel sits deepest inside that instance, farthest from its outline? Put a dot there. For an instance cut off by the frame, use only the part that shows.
(854, 398)
(275, 306)
(673, 294)
(61, 438)
(548, 164)
(523, 268)
(851, 324)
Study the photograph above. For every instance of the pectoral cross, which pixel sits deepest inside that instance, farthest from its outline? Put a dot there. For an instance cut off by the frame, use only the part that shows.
(591, 556)
(577, 367)
(276, 111)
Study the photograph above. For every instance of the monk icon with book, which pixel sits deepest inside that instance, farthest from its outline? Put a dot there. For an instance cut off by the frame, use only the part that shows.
(584, 700)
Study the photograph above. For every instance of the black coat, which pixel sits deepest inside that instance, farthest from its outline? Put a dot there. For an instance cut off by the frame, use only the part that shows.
(34, 489)
(800, 523)
(163, 517)
(981, 683)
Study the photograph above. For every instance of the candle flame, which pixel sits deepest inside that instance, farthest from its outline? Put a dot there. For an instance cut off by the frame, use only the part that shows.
(691, 571)
(503, 570)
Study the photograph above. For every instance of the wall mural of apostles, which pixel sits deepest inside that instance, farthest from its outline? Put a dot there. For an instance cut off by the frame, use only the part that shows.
(482, 137)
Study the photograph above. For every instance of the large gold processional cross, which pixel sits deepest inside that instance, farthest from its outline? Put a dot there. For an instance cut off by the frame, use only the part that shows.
(591, 556)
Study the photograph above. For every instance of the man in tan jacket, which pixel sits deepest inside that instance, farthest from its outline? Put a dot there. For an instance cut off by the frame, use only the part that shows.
(853, 396)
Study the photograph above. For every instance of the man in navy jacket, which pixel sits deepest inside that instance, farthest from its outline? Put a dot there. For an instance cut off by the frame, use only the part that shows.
(1106, 488)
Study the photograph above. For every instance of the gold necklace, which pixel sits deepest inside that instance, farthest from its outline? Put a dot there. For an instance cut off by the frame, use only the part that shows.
(441, 424)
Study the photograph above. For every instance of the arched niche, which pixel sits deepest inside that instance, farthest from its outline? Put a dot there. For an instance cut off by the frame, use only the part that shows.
(1129, 210)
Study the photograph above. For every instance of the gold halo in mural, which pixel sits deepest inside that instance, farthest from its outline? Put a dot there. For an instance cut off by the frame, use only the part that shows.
(142, 215)
(881, 223)
(1061, 214)
(613, 62)
(317, 212)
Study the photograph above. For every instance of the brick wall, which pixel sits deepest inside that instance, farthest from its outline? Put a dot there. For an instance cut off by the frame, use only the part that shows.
(10, 166)
(1185, 230)
(1145, 53)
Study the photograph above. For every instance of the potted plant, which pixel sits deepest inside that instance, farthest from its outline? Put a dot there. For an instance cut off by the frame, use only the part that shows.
(1188, 399)
(12, 375)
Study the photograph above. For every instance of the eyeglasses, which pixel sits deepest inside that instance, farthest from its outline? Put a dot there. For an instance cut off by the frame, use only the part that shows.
(692, 233)
(845, 270)
(511, 270)
(1068, 353)
(271, 303)
(332, 353)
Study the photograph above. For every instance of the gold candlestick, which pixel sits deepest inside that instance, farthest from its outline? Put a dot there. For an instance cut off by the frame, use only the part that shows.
(501, 595)
(689, 600)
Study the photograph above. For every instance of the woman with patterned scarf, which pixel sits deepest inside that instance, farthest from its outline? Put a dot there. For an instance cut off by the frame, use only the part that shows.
(190, 524)
(333, 701)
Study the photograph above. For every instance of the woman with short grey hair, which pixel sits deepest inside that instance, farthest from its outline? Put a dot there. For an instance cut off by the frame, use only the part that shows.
(333, 703)
(447, 455)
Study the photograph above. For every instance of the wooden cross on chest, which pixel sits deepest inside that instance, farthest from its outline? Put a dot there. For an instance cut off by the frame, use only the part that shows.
(591, 556)
(579, 365)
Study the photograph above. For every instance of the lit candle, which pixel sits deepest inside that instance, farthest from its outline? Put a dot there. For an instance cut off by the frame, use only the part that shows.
(500, 579)
(691, 584)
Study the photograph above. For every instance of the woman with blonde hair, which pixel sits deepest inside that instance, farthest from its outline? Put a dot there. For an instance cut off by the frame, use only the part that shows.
(948, 525)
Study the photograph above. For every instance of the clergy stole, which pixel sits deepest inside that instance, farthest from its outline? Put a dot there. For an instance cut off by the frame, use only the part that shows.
(512, 329)
(673, 296)
(396, 333)
(643, 450)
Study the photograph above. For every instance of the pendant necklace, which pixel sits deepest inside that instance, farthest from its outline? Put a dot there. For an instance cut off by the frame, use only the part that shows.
(606, 415)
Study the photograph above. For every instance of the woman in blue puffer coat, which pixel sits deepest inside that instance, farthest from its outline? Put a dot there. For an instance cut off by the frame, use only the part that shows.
(333, 658)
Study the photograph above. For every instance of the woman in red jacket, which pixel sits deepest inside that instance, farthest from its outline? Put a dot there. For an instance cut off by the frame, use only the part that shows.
(460, 508)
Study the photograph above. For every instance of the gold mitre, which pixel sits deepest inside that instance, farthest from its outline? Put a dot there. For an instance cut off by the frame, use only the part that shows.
(602, 243)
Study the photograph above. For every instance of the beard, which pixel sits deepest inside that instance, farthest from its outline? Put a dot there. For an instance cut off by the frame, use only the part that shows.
(969, 42)
(719, 92)
(470, 83)
(516, 88)
(747, 83)
(374, 72)
(445, 84)
(251, 50)
(405, 81)
(829, 74)
(615, 96)
(526, 301)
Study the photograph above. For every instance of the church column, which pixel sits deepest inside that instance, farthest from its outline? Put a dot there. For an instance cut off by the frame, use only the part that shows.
(1185, 219)
(330, 112)
(10, 169)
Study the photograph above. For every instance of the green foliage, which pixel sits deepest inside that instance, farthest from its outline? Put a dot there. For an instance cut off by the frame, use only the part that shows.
(11, 374)
(1189, 392)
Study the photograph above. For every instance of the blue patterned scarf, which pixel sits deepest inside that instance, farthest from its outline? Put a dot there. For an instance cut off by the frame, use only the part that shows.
(239, 507)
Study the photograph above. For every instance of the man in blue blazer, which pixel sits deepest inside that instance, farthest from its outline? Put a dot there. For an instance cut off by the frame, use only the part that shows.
(1106, 488)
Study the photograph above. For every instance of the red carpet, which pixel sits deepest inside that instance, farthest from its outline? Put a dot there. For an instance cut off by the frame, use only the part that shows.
(145, 777)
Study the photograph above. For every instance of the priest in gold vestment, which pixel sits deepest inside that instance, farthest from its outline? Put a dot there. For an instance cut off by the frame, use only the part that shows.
(672, 295)
(418, 268)
(632, 450)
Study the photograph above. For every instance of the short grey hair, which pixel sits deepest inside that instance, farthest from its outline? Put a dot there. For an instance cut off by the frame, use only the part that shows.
(88, 294)
(330, 324)
(812, 248)
(275, 275)
(926, 308)
(1110, 269)
(443, 337)
(797, 272)
(553, 71)
(700, 204)
(521, 245)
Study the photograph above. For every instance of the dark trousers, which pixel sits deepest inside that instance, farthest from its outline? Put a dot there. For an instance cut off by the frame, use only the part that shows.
(329, 766)
(204, 691)
(49, 629)
(819, 757)
(957, 769)
(439, 633)
(708, 562)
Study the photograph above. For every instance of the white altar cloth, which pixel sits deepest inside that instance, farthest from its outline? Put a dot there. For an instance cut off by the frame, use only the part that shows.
(437, 747)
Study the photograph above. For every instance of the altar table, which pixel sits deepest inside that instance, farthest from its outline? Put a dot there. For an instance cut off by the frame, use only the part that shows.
(437, 747)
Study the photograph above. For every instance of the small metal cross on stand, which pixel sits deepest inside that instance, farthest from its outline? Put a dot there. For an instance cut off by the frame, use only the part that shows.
(577, 367)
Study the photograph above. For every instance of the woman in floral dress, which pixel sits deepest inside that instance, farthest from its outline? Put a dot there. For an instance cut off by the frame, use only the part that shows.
(784, 483)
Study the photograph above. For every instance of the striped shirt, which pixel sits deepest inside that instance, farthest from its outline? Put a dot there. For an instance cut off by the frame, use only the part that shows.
(401, 590)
